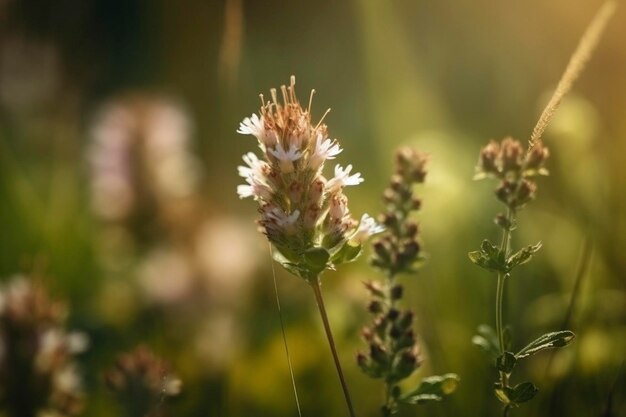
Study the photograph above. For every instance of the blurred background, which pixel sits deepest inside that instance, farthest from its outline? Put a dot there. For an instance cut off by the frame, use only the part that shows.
(118, 157)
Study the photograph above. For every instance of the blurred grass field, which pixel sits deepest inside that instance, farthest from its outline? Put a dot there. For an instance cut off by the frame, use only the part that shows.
(187, 273)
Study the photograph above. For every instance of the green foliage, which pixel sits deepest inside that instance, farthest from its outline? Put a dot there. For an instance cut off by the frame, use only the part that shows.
(432, 388)
(514, 396)
(547, 341)
(491, 258)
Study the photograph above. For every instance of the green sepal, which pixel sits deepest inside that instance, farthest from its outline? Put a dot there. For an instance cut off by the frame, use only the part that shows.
(347, 253)
(547, 341)
(308, 266)
(316, 259)
(432, 388)
(506, 362)
(487, 340)
(522, 256)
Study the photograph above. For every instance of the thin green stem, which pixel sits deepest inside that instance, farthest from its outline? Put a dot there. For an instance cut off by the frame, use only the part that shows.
(389, 400)
(504, 250)
(499, 300)
(315, 284)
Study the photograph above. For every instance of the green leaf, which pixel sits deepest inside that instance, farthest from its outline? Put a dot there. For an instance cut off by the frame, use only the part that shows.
(506, 362)
(522, 392)
(522, 256)
(432, 388)
(547, 341)
(487, 340)
(489, 257)
(347, 253)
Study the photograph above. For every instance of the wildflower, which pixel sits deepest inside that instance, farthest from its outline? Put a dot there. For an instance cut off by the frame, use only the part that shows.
(304, 215)
(394, 353)
(142, 382)
(515, 168)
(35, 345)
(367, 227)
(300, 209)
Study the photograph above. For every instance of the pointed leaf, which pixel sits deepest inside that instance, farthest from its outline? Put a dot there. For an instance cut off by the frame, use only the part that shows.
(522, 393)
(432, 388)
(506, 362)
(547, 341)
(522, 256)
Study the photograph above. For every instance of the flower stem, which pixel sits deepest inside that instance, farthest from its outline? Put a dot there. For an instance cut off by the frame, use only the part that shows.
(499, 299)
(504, 250)
(315, 284)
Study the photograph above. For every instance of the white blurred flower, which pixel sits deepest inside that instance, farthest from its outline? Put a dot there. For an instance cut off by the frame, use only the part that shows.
(166, 276)
(367, 228)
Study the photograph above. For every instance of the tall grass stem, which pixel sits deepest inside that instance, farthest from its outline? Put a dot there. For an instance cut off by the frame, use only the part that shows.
(315, 284)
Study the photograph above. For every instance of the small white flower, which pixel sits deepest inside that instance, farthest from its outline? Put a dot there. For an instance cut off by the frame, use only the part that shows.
(324, 149)
(342, 178)
(252, 125)
(367, 227)
(255, 167)
(254, 188)
(283, 219)
(286, 158)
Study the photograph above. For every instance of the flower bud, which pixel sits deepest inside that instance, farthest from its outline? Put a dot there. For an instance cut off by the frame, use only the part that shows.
(537, 156)
(526, 192)
(396, 292)
(393, 314)
(375, 307)
(511, 153)
(487, 162)
(411, 229)
(406, 320)
(378, 353)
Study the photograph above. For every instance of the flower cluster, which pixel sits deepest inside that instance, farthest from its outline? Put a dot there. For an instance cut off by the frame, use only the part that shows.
(38, 374)
(398, 249)
(142, 381)
(394, 353)
(304, 214)
(515, 168)
(140, 153)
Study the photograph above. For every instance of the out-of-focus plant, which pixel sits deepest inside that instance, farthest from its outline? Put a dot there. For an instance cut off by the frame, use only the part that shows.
(304, 215)
(142, 382)
(516, 170)
(394, 353)
(38, 373)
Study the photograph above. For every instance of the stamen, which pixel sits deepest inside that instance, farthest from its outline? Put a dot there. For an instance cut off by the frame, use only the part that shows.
(277, 106)
(308, 110)
(283, 90)
(322, 119)
(292, 88)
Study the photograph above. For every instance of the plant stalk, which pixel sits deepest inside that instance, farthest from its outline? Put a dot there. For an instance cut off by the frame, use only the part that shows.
(504, 249)
(315, 284)
(499, 301)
